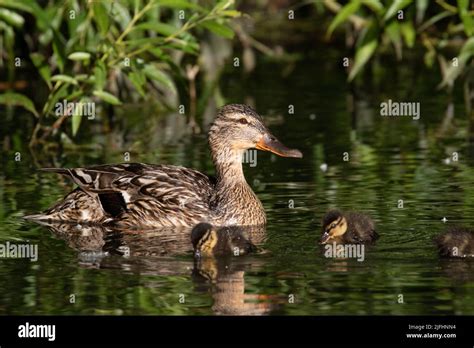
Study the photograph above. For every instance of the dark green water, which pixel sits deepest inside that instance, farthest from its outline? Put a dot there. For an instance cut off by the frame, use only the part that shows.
(390, 159)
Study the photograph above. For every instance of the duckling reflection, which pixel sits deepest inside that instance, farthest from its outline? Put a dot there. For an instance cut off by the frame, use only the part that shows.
(219, 264)
(348, 228)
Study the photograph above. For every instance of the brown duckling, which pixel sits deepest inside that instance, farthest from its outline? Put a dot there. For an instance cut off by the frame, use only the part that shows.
(456, 242)
(348, 228)
(212, 241)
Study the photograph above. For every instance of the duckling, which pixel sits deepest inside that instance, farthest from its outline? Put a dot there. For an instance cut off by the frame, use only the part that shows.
(348, 228)
(211, 241)
(456, 242)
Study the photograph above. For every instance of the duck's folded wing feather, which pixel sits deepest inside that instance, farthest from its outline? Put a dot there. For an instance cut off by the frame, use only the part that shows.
(169, 185)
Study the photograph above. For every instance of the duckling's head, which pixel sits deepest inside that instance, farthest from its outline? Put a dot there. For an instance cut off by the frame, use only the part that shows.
(238, 128)
(334, 227)
(204, 239)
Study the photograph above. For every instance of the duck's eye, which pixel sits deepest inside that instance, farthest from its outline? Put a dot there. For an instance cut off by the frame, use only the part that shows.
(333, 225)
(243, 121)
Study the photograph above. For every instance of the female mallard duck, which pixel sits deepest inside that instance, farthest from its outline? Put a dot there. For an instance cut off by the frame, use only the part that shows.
(456, 242)
(136, 195)
(348, 228)
(211, 241)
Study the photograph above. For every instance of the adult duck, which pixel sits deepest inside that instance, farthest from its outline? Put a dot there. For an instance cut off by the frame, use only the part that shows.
(137, 195)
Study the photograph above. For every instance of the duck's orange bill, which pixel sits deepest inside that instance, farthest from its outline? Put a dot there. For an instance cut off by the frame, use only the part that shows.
(272, 144)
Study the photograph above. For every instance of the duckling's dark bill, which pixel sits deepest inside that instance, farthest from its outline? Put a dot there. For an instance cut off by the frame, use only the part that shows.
(272, 144)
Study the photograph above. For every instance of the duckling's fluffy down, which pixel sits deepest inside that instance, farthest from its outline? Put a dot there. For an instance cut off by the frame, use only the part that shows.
(456, 242)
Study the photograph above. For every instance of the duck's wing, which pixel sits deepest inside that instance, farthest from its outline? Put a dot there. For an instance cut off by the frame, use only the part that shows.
(144, 189)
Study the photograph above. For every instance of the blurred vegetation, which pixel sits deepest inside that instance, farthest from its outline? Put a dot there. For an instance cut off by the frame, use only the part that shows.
(444, 30)
(165, 52)
(104, 50)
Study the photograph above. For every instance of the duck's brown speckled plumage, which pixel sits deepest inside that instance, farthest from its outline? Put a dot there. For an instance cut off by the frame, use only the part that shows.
(137, 195)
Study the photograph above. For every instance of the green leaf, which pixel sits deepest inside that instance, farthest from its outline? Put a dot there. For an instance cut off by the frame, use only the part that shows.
(17, 99)
(138, 80)
(53, 98)
(17, 5)
(463, 7)
(181, 4)
(343, 14)
(421, 6)
(100, 74)
(77, 56)
(365, 48)
(160, 28)
(231, 13)
(408, 33)
(393, 32)
(12, 18)
(374, 5)
(218, 29)
(76, 122)
(58, 49)
(64, 78)
(153, 73)
(396, 6)
(433, 20)
(43, 68)
(107, 97)
(100, 16)
(453, 71)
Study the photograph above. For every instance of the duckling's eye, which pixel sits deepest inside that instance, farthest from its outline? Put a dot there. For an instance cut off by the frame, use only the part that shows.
(333, 225)
(243, 121)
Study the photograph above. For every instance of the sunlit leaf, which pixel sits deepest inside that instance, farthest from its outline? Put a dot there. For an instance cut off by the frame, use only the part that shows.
(64, 78)
(365, 48)
(231, 13)
(343, 15)
(421, 6)
(466, 17)
(396, 6)
(107, 97)
(374, 5)
(408, 33)
(77, 56)
(454, 70)
(76, 122)
(12, 18)
(17, 99)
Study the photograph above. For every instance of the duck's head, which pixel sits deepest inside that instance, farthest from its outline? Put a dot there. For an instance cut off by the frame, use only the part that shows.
(208, 240)
(238, 128)
(334, 227)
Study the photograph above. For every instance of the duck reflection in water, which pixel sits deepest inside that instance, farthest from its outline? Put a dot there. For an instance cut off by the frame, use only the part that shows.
(219, 267)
